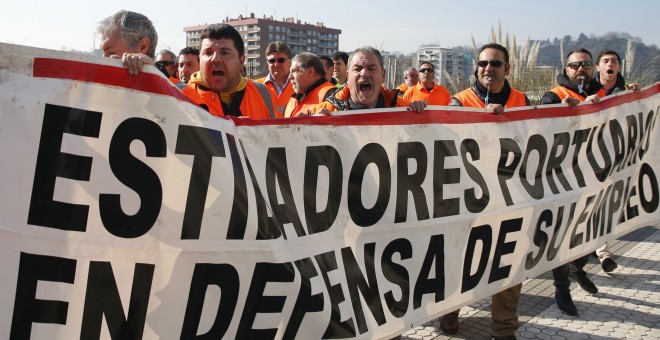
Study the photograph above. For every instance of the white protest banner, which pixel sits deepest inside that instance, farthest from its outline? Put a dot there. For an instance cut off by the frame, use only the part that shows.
(128, 212)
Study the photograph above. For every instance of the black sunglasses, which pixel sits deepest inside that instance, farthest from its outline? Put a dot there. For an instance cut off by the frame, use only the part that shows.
(576, 65)
(493, 63)
(165, 63)
(426, 70)
(279, 60)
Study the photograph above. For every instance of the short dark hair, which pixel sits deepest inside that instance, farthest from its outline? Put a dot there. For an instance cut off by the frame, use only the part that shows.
(279, 46)
(606, 52)
(307, 59)
(190, 50)
(340, 55)
(224, 31)
(328, 60)
(579, 50)
(426, 62)
(497, 47)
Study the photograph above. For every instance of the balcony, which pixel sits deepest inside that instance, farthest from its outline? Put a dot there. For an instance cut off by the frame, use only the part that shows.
(299, 34)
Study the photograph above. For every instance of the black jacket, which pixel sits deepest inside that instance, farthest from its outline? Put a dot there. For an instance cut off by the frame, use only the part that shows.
(619, 85)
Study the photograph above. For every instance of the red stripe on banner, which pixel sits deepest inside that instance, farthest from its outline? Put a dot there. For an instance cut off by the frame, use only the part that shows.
(448, 116)
(107, 75)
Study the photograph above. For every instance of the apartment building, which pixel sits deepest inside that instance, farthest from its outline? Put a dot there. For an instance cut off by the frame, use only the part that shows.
(257, 33)
(448, 64)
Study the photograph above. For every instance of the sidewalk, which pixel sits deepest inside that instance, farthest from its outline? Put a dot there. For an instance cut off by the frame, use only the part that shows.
(627, 305)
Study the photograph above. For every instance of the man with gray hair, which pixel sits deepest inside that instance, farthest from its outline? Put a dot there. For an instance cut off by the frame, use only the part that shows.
(310, 86)
(410, 79)
(167, 59)
(365, 87)
(329, 67)
(130, 36)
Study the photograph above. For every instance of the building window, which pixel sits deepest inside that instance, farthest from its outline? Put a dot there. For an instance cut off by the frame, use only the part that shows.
(270, 28)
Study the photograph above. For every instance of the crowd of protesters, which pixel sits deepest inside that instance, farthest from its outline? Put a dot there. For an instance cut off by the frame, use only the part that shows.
(213, 77)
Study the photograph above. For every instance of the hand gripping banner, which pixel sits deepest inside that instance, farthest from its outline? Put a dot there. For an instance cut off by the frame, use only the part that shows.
(128, 212)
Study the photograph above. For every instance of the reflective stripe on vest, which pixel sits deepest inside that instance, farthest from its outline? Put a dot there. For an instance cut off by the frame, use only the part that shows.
(265, 94)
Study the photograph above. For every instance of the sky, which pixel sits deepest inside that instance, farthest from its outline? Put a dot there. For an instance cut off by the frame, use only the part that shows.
(390, 26)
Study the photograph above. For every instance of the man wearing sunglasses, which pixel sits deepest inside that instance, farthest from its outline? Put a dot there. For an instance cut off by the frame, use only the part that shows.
(131, 37)
(278, 57)
(427, 89)
(576, 84)
(167, 59)
(492, 91)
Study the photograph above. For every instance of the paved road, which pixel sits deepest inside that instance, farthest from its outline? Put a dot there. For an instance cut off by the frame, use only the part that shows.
(627, 305)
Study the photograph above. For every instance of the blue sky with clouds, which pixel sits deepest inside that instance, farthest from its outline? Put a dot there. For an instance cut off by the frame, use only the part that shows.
(392, 26)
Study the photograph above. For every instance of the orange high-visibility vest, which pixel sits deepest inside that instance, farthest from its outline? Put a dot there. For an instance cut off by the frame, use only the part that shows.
(468, 98)
(294, 107)
(391, 99)
(254, 104)
(282, 99)
(438, 95)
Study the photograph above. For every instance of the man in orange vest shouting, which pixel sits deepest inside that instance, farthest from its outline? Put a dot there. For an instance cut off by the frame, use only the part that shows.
(218, 86)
